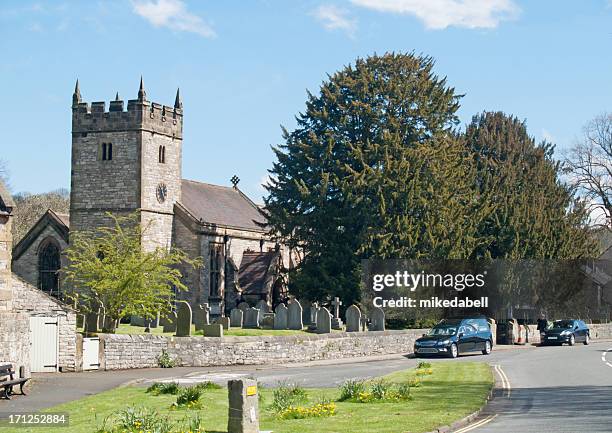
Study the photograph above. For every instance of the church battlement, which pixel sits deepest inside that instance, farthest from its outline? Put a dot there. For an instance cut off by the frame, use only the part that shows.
(141, 114)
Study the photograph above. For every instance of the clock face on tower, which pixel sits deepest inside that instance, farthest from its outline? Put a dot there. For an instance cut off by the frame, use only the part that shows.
(162, 192)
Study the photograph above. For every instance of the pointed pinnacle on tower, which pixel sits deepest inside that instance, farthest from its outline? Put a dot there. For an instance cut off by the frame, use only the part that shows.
(142, 95)
(177, 101)
(117, 97)
(76, 96)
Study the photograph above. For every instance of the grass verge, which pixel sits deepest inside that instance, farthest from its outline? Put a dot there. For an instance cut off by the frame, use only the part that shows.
(452, 391)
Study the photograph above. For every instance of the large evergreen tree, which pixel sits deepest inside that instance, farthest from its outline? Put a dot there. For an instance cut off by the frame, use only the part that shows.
(373, 169)
(535, 215)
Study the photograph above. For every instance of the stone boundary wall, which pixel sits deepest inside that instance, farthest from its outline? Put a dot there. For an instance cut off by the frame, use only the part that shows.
(141, 351)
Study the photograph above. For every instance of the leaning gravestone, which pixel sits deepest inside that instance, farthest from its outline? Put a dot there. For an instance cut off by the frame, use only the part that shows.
(294, 318)
(353, 319)
(377, 319)
(323, 321)
(236, 316)
(169, 323)
(183, 322)
(251, 318)
(281, 317)
(201, 316)
(224, 322)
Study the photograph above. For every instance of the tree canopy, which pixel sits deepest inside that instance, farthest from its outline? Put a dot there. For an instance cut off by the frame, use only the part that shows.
(376, 168)
(108, 266)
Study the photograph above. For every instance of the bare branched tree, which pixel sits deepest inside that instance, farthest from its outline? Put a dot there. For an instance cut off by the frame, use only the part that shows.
(589, 165)
(4, 173)
(30, 207)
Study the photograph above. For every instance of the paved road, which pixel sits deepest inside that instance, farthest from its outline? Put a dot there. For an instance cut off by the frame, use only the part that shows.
(552, 389)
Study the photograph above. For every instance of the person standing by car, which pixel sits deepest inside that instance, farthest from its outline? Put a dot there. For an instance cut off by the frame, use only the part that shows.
(542, 324)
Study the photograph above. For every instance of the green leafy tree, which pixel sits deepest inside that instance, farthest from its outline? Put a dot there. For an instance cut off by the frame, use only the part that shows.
(373, 169)
(109, 266)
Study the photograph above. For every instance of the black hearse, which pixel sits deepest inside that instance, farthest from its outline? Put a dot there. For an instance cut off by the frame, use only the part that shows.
(454, 336)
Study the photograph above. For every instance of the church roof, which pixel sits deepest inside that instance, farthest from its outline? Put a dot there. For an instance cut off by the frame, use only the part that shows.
(221, 205)
(254, 269)
(6, 199)
(59, 221)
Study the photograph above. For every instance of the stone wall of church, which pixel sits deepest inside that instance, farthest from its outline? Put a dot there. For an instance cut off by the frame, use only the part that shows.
(6, 245)
(33, 302)
(239, 241)
(26, 265)
(188, 241)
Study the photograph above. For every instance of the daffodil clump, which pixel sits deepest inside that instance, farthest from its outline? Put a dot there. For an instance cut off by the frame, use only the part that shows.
(320, 410)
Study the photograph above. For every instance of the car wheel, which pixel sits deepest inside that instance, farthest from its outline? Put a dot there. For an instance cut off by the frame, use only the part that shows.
(453, 351)
(572, 340)
(587, 340)
(487, 348)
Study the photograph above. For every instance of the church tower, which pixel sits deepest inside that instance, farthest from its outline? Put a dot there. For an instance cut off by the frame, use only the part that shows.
(126, 160)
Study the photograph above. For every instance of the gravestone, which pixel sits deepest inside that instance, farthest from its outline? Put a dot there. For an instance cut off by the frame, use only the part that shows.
(236, 316)
(224, 322)
(314, 312)
(244, 306)
(364, 323)
(377, 319)
(214, 330)
(243, 413)
(306, 304)
(263, 307)
(169, 322)
(91, 322)
(201, 316)
(281, 317)
(294, 318)
(267, 321)
(183, 319)
(323, 321)
(336, 320)
(137, 321)
(353, 319)
(251, 318)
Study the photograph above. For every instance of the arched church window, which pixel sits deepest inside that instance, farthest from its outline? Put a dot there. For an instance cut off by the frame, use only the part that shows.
(216, 258)
(49, 265)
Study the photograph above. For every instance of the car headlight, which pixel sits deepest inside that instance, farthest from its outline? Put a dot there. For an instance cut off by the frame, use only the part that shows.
(443, 343)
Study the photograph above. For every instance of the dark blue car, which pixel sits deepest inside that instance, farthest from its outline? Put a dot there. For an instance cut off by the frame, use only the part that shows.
(566, 331)
(452, 337)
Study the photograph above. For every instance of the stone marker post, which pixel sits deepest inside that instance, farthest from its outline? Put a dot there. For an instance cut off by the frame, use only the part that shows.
(243, 415)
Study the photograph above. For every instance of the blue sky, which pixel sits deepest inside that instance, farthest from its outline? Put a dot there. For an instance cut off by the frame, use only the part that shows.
(244, 66)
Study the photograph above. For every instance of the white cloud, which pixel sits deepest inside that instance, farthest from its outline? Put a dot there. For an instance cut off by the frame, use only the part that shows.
(440, 14)
(335, 18)
(174, 15)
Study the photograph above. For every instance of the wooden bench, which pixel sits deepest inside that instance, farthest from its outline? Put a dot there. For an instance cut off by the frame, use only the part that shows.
(8, 381)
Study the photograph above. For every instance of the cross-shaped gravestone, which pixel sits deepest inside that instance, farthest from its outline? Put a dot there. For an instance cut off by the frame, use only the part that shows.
(336, 304)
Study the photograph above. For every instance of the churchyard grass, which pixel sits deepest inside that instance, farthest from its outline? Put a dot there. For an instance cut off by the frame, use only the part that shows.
(454, 390)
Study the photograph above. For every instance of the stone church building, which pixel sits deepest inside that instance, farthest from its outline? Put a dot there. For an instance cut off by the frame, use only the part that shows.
(130, 158)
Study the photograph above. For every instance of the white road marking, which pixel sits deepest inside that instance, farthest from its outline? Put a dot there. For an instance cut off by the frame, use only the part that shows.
(603, 357)
(478, 424)
(199, 378)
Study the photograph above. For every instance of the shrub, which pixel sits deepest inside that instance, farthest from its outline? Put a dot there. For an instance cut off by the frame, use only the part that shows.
(205, 386)
(414, 382)
(423, 364)
(188, 398)
(164, 388)
(319, 410)
(164, 360)
(381, 390)
(351, 389)
(424, 371)
(286, 396)
(137, 419)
